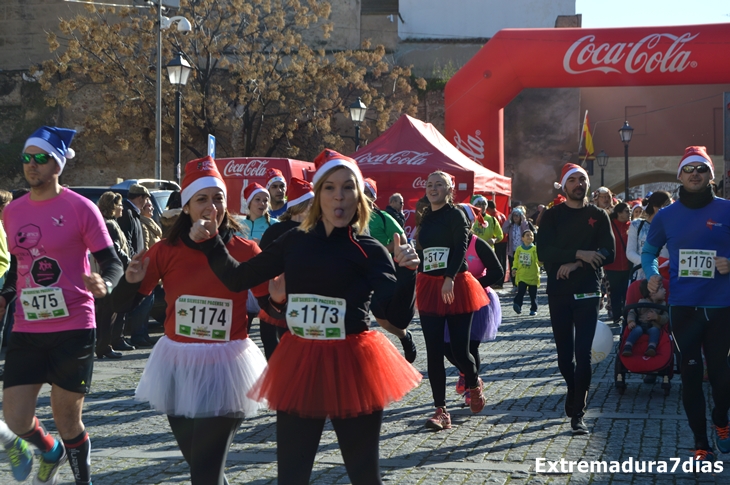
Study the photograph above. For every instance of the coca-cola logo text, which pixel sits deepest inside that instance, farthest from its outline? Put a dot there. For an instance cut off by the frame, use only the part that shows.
(644, 55)
(419, 183)
(473, 147)
(405, 157)
(252, 168)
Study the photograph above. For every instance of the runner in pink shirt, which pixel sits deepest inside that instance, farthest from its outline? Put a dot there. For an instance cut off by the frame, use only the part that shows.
(50, 234)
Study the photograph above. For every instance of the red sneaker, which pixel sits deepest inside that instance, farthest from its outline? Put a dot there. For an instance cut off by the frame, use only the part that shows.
(460, 384)
(440, 420)
(477, 398)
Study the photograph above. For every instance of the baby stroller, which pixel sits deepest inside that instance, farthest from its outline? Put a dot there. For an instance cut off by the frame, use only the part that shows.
(661, 365)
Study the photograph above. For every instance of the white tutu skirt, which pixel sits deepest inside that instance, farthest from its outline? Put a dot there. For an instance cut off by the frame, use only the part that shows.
(202, 380)
(486, 320)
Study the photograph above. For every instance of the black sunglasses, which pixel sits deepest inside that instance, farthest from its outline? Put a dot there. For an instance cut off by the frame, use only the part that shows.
(691, 168)
(40, 158)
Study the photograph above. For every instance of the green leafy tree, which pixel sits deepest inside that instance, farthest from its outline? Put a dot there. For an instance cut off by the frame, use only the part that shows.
(263, 81)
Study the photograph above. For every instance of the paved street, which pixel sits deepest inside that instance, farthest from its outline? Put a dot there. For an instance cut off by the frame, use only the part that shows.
(523, 421)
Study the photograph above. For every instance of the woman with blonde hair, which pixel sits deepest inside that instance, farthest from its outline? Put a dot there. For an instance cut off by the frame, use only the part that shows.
(330, 364)
(447, 294)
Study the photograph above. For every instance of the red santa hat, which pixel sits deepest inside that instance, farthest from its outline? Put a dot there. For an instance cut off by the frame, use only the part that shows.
(248, 193)
(330, 159)
(568, 170)
(473, 213)
(274, 175)
(299, 191)
(200, 174)
(372, 187)
(696, 154)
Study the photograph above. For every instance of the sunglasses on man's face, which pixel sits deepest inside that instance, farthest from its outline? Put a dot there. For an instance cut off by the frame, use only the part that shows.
(40, 158)
(692, 168)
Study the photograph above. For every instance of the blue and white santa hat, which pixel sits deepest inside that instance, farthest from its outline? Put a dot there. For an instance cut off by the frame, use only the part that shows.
(54, 141)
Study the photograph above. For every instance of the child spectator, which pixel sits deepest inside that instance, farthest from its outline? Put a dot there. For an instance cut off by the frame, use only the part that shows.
(526, 272)
(650, 320)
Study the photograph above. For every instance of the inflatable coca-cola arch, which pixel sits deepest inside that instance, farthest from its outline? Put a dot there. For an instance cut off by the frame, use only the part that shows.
(515, 59)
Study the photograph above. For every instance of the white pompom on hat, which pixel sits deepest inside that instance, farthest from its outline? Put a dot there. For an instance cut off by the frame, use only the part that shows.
(696, 154)
(568, 170)
(299, 191)
(200, 174)
(54, 141)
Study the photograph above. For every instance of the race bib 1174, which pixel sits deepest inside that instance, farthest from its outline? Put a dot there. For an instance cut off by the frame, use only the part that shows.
(204, 318)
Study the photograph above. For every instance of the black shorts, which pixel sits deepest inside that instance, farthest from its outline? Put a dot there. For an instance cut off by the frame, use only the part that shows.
(64, 359)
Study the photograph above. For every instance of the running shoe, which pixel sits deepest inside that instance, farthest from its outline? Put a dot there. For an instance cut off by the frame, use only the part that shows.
(722, 438)
(578, 426)
(517, 308)
(533, 312)
(477, 399)
(440, 420)
(48, 471)
(704, 455)
(409, 347)
(21, 459)
(460, 384)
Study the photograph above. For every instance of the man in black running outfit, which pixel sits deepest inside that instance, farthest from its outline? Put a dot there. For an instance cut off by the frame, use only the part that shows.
(574, 241)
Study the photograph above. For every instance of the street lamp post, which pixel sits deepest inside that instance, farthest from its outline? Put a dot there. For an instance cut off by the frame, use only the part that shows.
(626, 132)
(357, 114)
(602, 162)
(178, 71)
(183, 25)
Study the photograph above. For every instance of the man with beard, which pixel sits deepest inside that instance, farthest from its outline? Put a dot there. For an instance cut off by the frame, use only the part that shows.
(276, 185)
(574, 241)
(696, 231)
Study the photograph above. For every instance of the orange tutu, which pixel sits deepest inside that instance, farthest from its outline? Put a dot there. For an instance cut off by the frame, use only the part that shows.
(469, 296)
(265, 317)
(337, 378)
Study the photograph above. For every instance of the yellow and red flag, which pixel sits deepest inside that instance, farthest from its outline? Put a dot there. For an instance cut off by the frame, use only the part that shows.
(586, 135)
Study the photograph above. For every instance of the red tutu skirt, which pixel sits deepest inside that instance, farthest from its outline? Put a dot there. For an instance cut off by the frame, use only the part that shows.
(265, 317)
(338, 378)
(469, 296)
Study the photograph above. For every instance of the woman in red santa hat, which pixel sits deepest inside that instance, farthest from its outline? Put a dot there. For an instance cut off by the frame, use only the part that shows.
(330, 365)
(200, 372)
(447, 294)
(301, 194)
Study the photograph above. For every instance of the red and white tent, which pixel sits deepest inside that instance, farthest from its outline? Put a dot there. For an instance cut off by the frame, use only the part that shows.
(401, 158)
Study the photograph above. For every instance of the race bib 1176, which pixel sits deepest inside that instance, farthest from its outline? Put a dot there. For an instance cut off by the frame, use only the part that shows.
(696, 263)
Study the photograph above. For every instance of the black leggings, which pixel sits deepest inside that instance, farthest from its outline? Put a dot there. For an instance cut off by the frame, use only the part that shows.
(204, 443)
(519, 297)
(459, 333)
(618, 281)
(473, 350)
(567, 313)
(695, 329)
(297, 440)
(270, 336)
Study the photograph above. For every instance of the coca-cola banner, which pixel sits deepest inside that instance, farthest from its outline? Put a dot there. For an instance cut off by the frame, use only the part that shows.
(238, 173)
(401, 159)
(515, 59)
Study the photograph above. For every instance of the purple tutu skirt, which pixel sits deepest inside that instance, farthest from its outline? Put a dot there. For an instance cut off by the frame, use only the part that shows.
(486, 320)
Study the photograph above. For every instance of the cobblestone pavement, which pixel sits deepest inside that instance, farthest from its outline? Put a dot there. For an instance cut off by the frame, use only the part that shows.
(523, 421)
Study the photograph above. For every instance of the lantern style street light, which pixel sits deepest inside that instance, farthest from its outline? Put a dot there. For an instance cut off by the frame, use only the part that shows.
(626, 132)
(357, 114)
(602, 162)
(178, 71)
(163, 23)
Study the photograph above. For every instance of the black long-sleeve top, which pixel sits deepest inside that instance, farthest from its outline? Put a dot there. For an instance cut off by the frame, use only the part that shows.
(447, 227)
(275, 231)
(342, 265)
(495, 271)
(563, 231)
